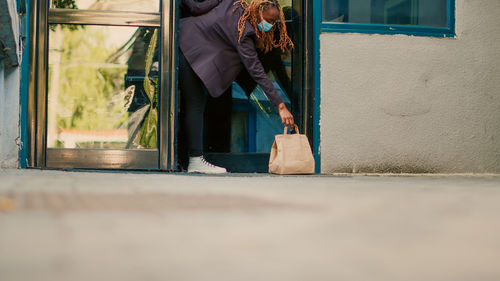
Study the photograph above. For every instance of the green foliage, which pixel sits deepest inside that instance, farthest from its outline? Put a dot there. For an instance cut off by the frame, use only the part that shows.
(89, 89)
(64, 4)
(147, 134)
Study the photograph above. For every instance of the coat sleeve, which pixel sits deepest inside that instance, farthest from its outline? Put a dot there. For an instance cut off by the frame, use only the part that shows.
(199, 8)
(248, 55)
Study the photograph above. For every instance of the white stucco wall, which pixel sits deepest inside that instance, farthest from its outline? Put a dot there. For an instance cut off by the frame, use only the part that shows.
(397, 103)
(9, 92)
(9, 117)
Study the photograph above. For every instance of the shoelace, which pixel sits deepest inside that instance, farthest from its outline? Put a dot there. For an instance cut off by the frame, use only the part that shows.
(207, 163)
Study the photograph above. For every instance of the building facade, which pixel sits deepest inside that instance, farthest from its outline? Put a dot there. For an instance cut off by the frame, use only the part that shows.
(385, 86)
(414, 103)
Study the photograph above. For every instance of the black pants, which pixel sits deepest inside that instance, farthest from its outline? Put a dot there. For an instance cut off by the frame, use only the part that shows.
(193, 103)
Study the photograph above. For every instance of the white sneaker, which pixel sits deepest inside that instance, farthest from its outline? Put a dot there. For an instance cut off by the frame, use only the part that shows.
(200, 165)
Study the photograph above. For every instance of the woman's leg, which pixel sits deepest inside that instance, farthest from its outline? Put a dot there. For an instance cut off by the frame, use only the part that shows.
(194, 100)
(193, 103)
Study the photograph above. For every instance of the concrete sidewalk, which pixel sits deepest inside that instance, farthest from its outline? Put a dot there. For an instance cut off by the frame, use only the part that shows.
(150, 226)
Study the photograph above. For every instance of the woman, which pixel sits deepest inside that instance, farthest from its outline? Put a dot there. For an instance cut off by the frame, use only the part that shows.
(214, 48)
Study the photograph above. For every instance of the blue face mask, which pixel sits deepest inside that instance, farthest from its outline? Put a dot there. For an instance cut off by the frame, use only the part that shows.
(264, 26)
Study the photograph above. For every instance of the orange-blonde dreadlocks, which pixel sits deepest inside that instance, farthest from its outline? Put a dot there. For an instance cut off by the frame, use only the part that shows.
(252, 12)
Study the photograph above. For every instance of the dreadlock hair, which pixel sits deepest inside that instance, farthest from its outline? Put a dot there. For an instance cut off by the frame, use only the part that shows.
(252, 13)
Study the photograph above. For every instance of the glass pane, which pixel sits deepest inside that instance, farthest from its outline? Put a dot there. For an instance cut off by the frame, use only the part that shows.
(286, 5)
(261, 118)
(400, 12)
(102, 87)
(249, 127)
(109, 5)
(244, 120)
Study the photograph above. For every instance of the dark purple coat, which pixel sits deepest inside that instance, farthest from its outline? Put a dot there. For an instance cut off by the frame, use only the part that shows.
(198, 8)
(210, 44)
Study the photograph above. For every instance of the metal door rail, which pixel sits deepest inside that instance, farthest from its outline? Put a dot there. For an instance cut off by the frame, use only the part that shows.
(95, 17)
(63, 158)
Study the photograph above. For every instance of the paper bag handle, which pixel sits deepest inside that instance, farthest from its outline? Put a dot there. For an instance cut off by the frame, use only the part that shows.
(296, 129)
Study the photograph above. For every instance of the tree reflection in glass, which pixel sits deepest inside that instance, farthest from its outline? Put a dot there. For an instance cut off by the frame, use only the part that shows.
(94, 85)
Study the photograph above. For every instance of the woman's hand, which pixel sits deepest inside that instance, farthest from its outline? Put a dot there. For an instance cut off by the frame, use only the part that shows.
(286, 116)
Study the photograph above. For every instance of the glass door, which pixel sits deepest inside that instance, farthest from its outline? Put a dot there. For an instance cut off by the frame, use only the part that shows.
(241, 125)
(104, 85)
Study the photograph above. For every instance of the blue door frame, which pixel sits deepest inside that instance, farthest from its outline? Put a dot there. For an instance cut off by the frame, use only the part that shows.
(316, 30)
(23, 7)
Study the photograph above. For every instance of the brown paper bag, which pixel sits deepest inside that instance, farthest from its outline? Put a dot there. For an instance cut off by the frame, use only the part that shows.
(291, 154)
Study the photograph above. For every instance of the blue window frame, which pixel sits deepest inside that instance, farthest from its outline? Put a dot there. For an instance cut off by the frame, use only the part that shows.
(411, 17)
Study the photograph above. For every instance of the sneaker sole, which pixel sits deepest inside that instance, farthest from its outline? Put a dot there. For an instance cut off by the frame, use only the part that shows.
(207, 172)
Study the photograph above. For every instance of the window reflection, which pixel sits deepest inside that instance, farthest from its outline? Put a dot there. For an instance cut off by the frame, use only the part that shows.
(102, 87)
(398, 12)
